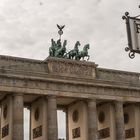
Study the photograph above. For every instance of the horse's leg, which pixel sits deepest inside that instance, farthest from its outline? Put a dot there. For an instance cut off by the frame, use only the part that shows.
(76, 57)
(69, 56)
(88, 57)
(79, 57)
(50, 52)
(72, 56)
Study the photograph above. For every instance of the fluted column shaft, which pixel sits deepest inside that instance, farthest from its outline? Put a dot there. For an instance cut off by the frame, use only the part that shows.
(52, 118)
(18, 108)
(92, 121)
(120, 132)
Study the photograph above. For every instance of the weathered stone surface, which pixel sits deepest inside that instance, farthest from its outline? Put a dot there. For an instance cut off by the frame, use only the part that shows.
(120, 131)
(118, 76)
(72, 68)
(18, 131)
(52, 118)
(92, 121)
(38, 127)
(65, 78)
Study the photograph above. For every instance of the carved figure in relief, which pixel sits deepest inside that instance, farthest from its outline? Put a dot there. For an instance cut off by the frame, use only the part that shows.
(84, 53)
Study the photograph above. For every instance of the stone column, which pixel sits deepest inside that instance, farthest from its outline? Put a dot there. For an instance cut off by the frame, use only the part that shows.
(52, 118)
(120, 132)
(18, 108)
(92, 121)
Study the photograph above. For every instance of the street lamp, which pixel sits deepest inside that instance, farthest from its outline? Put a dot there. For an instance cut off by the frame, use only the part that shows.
(133, 34)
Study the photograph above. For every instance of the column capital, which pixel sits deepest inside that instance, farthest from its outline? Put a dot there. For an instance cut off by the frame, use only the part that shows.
(91, 102)
(119, 100)
(17, 94)
(51, 97)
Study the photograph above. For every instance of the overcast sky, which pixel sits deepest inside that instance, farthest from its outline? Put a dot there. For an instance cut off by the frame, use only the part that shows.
(27, 26)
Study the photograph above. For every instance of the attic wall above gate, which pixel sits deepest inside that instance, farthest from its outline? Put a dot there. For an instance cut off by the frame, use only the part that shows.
(66, 77)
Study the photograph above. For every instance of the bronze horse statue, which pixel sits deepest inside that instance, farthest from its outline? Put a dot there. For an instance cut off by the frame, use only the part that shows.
(72, 53)
(84, 53)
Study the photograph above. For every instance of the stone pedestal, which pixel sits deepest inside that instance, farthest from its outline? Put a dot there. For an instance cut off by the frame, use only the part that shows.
(52, 118)
(92, 121)
(18, 108)
(120, 133)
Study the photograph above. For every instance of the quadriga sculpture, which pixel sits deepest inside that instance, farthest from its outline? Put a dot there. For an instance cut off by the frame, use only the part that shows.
(59, 50)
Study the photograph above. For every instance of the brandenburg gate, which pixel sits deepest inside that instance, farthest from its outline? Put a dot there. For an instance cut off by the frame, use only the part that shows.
(100, 104)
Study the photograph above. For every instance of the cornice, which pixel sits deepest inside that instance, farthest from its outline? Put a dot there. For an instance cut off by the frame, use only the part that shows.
(118, 71)
(12, 58)
(79, 81)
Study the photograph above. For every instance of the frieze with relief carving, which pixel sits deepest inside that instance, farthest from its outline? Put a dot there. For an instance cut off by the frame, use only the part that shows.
(71, 68)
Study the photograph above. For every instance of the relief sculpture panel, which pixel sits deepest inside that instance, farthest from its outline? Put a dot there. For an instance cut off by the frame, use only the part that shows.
(72, 68)
(5, 131)
(104, 133)
(37, 132)
(76, 132)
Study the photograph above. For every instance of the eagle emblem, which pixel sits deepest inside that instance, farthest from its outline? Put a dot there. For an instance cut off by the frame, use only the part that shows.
(60, 27)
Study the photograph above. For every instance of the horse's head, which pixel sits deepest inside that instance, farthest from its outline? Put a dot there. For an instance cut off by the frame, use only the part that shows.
(58, 42)
(77, 44)
(65, 43)
(86, 46)
(53, 42)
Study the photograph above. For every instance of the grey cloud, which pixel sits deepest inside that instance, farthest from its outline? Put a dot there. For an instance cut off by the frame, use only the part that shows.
(26, 28)
(98, 22)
